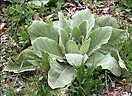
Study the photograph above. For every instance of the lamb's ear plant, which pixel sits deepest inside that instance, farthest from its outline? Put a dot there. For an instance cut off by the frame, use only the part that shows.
(81, 40)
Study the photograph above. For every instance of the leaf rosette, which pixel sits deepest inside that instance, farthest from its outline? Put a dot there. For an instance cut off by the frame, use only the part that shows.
(76, 41)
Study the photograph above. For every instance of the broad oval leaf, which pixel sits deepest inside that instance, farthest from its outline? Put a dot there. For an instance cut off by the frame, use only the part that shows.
(76, 33)
(110, 63)
(83, 28)
(41, 29)
(94, 58)
(85, 46)
(71, 47)
(80, 16)
(121, 63)
(90, 25)
(117, 37)
(106, 62)
(21, 63)
(63, 23)
(62, 46)
(63, 38)
(60, 75)
(86, 26)
(99, 37)
(74, 59)
(116, 55)
(106, 21)
(44, 44)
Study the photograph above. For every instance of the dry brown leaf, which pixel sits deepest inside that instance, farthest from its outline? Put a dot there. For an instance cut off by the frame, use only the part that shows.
(2, 25)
